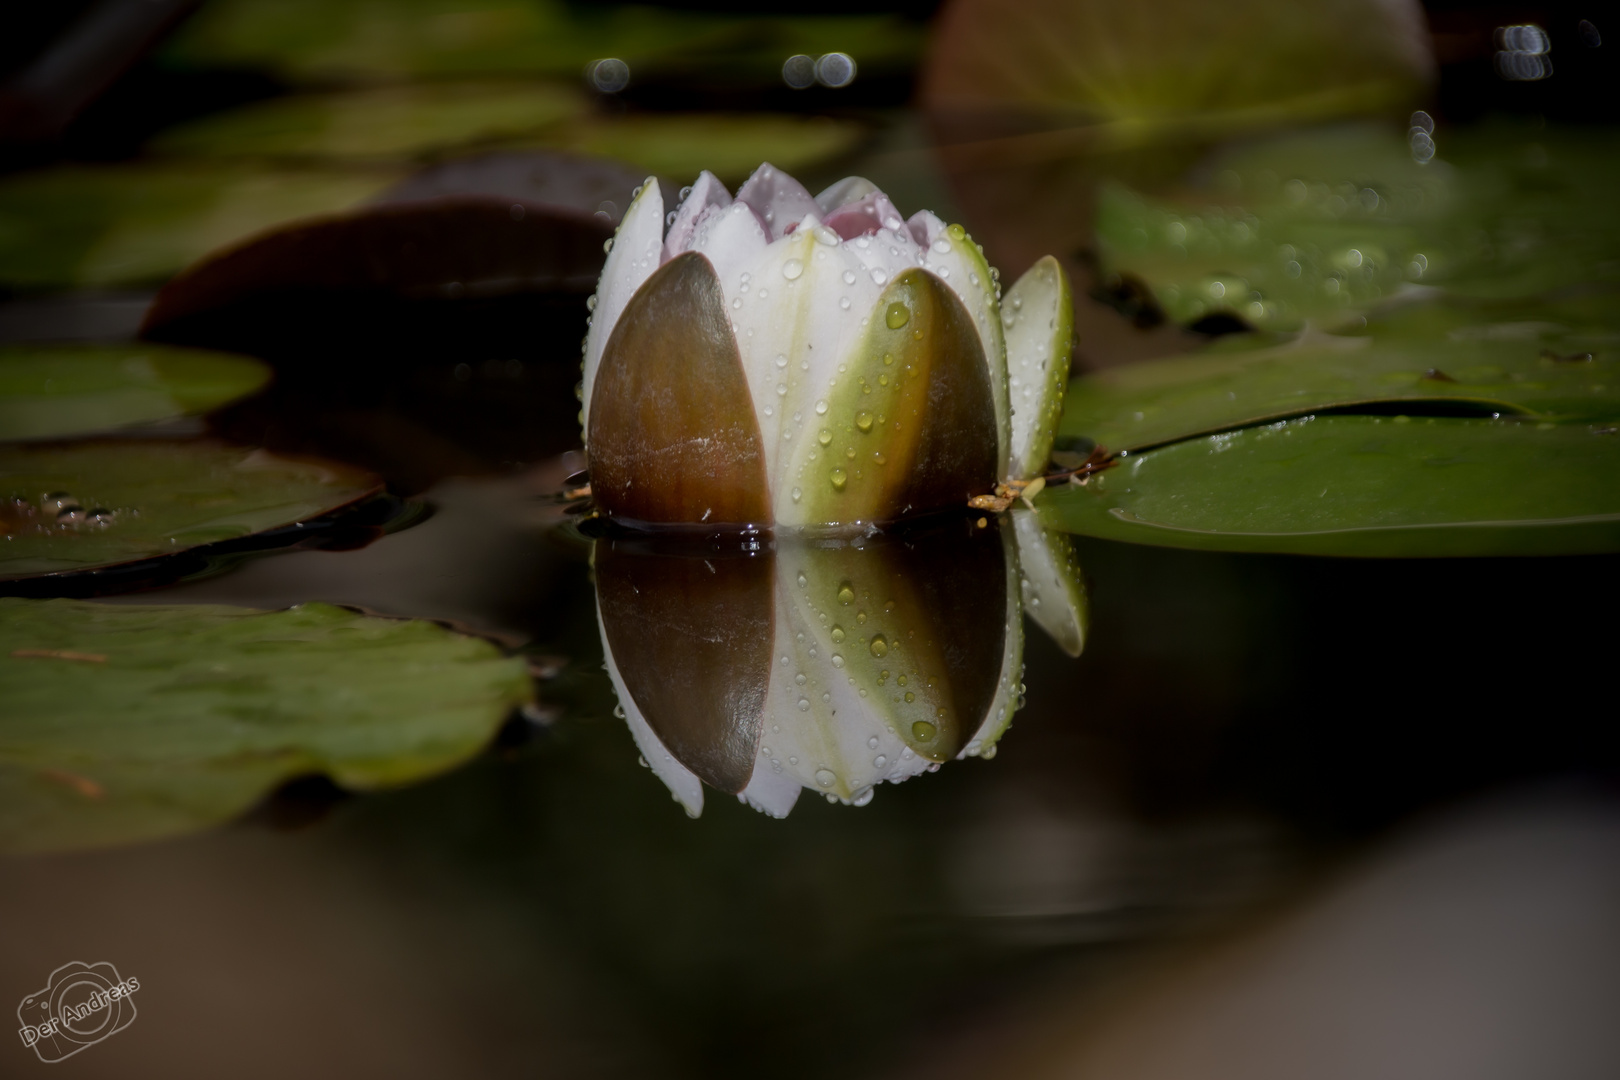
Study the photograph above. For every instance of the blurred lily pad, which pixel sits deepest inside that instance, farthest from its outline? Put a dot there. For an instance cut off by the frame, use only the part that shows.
(321, 41)
(77, 506)
(1129, 75)
(127, 723)
(730, 145)
(1364, 486)
(1551, 362)
(91, 226)
(52, 391)
(383, 122)
(1320, 225)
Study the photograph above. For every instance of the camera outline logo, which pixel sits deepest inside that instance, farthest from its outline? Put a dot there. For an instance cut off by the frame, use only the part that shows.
(80, 1005)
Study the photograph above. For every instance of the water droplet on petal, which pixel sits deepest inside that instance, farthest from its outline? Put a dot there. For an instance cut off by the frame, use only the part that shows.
(879, 645)
(839, 478)
(804, 704)
(897, 315)
(879, 275)
(821, 408)
(863, 420)
(922, 731)
(824, 437)
(826, 777)
(792, 269)
(846, 595)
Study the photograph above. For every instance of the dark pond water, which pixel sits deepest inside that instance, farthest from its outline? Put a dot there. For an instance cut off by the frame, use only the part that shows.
(1283, 816)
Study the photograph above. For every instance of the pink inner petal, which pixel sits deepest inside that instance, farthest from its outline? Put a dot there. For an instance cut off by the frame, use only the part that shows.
(707, 197)
(865, 217)
(778, 199)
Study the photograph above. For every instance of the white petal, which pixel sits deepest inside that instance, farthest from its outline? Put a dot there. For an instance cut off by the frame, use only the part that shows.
(734, 240)
(771, 792)
(707, 198)
(793, 330)
(849, 189)
(1009, 686)
(683, 784)
(1050, 582)
(953, 256)
(778, 199)
(925, 226)
(637, 251)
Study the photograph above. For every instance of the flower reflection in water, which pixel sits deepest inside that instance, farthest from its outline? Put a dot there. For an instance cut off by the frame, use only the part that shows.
(760, 667)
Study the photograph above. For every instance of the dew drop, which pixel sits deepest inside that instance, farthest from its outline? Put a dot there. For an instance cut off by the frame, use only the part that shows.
(846, 595)
(942, 246)
(824, 437)
(837, 634)
(781, 389)
(781, 360)
(839, 478)
(826, 777)
(798, 493)
(804, 704)
(837, 660)
(863, 420)
(922, 731)
(821, 408)
(792, 269)
(799, 680)
(879, 645)
(803, 581)
(843, 302)
(879, 761)
(896, 316)
(879, 275)
(910, 697)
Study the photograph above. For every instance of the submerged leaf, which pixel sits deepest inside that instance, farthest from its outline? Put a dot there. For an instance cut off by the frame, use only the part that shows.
(79, 506)
(459, 246)
(126, 723)
(1364, 485)
(51, 391)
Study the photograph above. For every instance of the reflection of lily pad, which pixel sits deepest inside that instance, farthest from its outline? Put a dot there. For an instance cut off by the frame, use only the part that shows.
(138, 223)
(1544, 361)
(78, 506)
(47, 392)
(130, 723)
(396, 121)
(1364, 485)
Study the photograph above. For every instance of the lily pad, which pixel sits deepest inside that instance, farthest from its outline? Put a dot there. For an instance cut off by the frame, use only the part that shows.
(1549, 362)
(47, 392)
(128, 723)
(79, 506)
(1133, 74)
(90, 226)
(384, 122)
(1322, 225)
(1365, 486)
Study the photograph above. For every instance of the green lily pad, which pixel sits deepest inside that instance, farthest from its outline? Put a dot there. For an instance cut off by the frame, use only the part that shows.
(99, 226)
(1365, 486)
(1550, 362)
(1320, 225)
(128, 723)
(78, 506)
(385, 122)
(51, 391)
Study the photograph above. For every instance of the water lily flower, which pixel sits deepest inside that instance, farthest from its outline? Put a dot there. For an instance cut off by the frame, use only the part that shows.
(775, 359)
(807, 663)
